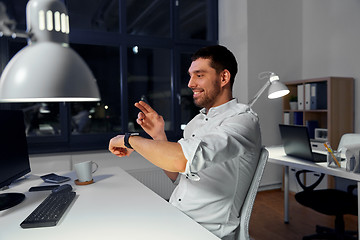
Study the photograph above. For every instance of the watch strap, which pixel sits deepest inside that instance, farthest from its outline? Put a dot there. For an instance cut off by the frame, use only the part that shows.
(126, 139)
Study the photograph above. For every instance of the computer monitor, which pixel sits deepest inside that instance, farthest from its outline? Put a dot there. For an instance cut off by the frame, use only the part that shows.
(14, 157)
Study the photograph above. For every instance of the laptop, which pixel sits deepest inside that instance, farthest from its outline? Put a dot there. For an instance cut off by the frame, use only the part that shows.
(296, 143)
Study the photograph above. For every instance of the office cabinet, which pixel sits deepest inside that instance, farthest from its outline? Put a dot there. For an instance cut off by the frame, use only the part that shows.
(325, 105)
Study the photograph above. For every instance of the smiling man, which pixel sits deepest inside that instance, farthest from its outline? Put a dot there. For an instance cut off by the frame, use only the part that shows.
(214, 162)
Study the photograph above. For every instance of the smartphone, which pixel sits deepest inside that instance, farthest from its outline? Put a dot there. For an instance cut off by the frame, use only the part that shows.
(43, 188)
(54, 178)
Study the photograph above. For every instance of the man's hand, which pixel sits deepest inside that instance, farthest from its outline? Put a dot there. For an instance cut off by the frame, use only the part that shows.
(152, 123)
(117, 147)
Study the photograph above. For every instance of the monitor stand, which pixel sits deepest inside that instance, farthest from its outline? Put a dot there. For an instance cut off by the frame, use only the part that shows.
(8, 200)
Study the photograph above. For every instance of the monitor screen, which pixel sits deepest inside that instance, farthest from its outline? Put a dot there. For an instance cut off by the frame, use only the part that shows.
(14, 158)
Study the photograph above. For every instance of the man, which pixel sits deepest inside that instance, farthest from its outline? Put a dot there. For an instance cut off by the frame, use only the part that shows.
(218, 154)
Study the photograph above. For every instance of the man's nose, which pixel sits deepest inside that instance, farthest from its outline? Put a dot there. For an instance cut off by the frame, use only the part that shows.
(191, 82)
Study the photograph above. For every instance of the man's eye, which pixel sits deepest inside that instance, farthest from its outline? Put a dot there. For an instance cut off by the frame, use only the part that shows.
(199, 75)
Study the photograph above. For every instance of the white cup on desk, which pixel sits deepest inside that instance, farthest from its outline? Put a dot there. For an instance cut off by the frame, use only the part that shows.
(84, 171)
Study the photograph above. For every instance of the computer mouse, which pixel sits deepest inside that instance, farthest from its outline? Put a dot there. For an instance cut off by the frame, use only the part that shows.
(62, 188)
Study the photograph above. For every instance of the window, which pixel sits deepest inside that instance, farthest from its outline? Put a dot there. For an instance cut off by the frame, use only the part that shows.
(103, 116)
(149, 79)
(193, 19)
(137, 50)
(95, 15)
(144, 18)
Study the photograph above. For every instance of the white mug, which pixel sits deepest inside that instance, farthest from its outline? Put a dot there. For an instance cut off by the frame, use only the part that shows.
(84, 170)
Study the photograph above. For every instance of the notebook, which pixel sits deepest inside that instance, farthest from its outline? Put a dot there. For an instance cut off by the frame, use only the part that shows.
(296, 143)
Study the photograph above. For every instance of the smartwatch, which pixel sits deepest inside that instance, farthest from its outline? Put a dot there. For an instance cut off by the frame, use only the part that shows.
(126, 139)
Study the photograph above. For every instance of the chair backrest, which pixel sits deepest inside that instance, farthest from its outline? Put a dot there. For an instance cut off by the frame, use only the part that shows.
(245, 212)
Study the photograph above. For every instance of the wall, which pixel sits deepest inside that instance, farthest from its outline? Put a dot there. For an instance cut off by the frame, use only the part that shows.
(233, 33)
(331, 42)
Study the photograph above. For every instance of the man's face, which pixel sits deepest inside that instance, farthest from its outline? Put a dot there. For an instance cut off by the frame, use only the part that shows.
(205, 83)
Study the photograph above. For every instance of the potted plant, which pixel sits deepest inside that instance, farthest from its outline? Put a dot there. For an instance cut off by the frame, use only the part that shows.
(293, 102)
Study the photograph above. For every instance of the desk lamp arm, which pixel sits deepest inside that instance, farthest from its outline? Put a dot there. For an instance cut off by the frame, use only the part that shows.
(258, 94)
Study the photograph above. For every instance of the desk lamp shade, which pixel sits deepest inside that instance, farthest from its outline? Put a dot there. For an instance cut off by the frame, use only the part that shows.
(47, 70)
(276, 88)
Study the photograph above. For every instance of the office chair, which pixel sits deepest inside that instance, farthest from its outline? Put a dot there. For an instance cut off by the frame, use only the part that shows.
(242, 232)
(331, 202)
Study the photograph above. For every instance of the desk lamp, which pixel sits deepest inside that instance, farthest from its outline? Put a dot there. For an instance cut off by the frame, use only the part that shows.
(47, 69)
(276, 88)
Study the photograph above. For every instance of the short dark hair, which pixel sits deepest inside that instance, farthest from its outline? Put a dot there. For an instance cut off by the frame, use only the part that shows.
(221, 59)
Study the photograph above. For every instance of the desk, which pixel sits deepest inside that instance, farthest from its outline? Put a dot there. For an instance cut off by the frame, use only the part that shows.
(277, 155)
(116, 206)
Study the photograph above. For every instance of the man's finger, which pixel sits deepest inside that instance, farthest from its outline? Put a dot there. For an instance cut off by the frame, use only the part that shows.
(141, 108)
(141, 115)
(139, 121)
(146, 107)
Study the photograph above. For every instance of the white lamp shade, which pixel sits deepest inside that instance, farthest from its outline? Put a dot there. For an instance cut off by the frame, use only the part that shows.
(47, 72)
(277, 89)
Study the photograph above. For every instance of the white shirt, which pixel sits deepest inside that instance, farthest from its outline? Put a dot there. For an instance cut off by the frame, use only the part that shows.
(222, 149)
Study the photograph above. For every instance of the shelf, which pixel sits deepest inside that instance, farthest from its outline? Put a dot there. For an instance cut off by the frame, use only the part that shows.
(315, 111)
(338, 102)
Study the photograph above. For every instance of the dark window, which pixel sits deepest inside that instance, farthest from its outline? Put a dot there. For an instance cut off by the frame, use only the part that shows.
(97, 15)
(149, 78)
(148, 17)
(16, 10)
(194, 19)
(136, 49)
(103, 116)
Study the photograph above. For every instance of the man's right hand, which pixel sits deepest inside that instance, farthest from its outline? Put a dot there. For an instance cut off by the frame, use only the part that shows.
(152, 123)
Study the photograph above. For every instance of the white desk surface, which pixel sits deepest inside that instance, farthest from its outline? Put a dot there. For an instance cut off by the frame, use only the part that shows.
(277, 155)
(116, 206)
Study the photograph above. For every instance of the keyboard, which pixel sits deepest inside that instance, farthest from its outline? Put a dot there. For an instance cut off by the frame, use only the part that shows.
(50, 211)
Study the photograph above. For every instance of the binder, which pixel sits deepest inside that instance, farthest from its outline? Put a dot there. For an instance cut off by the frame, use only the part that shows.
(298, 118)
(318, 96)
(300, 94)
(307, 96)
(313, 97)
(286, 118)
(311, 125)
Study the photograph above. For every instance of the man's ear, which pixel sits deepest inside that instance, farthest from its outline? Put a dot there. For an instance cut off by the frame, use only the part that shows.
(225, 77)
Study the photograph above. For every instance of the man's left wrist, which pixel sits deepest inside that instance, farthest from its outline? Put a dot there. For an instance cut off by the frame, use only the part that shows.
(126, 139)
